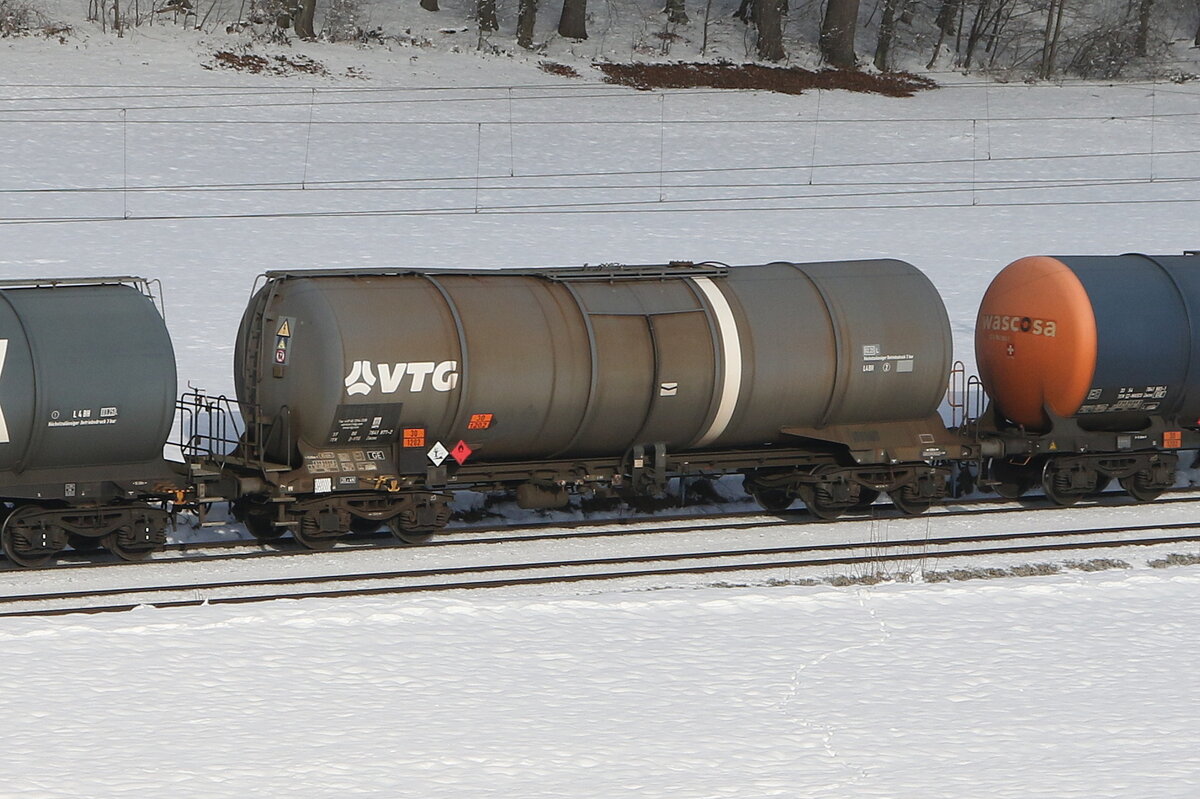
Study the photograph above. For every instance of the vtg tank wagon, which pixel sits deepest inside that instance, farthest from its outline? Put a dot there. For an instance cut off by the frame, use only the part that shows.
(370, 394)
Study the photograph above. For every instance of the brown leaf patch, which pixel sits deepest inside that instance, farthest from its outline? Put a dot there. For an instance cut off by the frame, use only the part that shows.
(785, 80)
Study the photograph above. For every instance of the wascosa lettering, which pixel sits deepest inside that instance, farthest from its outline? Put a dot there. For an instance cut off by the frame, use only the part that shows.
(1019, 324)
(365, 375)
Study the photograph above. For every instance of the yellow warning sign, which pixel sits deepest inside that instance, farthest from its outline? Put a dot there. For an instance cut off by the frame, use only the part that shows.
(285, 329)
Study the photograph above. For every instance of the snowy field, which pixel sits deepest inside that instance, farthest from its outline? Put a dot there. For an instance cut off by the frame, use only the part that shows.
(125, 157)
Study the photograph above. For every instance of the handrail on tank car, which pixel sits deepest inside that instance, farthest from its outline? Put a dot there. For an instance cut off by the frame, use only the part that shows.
(964, 396)
(52, 282)
(146, 286)
(597, 272)
(217, 437)
(150, 285)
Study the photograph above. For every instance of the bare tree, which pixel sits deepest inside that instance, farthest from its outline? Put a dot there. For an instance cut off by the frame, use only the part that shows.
(1197, 42)
(1143, 27)
(887, 33)
(947, 19)
(573, 22)
(1054, 16)
(526, 19)
(837, 33)
(485, 15)
(302, 22)
(985, 17)
(768, 21)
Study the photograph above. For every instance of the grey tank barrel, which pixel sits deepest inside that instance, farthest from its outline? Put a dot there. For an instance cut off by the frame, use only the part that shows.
(566, 363)
(87, 375)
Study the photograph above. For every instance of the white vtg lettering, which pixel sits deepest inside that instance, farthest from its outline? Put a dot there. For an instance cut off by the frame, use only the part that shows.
(440, 376)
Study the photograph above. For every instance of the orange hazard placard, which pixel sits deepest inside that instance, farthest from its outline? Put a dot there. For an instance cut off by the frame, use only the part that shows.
(1172, 439)
(414, 436)
(480, 421)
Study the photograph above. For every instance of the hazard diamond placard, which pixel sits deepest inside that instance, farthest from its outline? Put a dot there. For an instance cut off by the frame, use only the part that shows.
(438, 454)
(461, 452)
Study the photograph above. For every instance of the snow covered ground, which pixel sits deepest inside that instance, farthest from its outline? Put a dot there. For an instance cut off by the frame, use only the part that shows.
(1080, 686)
(128, 157)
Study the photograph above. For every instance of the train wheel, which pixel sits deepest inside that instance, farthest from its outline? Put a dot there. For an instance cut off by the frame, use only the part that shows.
(360, 525)
(319, 530)
(262, 528)
(257, 516)
(121, 542)
(83, 543)
(1140, 487)
(406, 535)
(31, 545)
(304, 533)
(1011, 482)
(773, 499)
(909, 502)
(317, 543)
(866, 498)
(1057, 485)
(817, 505)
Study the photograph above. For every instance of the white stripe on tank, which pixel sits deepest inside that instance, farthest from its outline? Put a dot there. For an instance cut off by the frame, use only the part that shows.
(3, 425)
(731, 360)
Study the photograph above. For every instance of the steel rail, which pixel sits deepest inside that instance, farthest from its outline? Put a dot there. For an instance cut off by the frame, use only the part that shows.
(356, 542)
(880, 555)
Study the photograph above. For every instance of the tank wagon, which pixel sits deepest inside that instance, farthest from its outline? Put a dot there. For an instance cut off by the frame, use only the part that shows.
(369, 396)
(1092, 365)
(87, 395)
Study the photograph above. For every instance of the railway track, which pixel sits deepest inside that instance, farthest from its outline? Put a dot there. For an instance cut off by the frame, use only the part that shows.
(581, 529)
(802, 558)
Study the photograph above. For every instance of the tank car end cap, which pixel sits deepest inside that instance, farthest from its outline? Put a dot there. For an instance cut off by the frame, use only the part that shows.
(1035, 341)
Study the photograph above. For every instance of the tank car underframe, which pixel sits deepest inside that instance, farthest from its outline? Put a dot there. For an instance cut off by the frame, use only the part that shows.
(1069, 463)
(830, 490)
(825, 476)
(123, 508)
(33, 535)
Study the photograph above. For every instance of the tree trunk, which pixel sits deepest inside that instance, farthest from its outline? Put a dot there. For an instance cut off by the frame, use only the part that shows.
(978, 26)
(887, 32)
(1142, 41)
(1054, 16)
(526, 18)
(1043, 67)
(769, 23)
(745, 11)
(675, 12)
(303, 24)
(485, 15)
(948, 16)
(573, 22)
(429, 5)
(837, 33)
(1197, 42)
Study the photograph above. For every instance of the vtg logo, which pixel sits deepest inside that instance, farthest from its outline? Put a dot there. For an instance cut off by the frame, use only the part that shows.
(362, 378)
